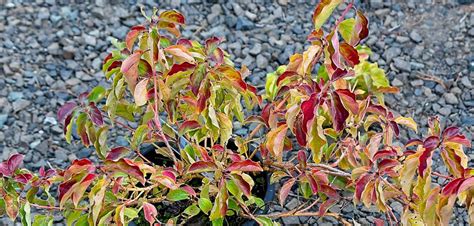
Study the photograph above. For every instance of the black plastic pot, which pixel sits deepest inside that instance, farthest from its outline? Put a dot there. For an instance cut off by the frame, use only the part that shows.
(149, 153)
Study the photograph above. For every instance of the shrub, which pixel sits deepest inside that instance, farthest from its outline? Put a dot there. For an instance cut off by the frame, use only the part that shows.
(326, 108)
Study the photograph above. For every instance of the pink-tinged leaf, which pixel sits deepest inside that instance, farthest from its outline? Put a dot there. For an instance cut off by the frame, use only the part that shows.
(360, 185)
(188, 126)
(313, 184)
(338, 73)
(325, 206)
(181, 53)
(348, 99)
(189, 190)
(218, 148)
(212, 43)
(335, 54)
(150, 212)
(14, 162)
(172, 16)
(168, 181)
(302, 158)
(459, 139)
(276, 141)
(242, 184)
(285, 190)
(452, 187)
(382, 154)
(95, 114)
(395, 128)
(386, 165)
(180, 67)
(117, 153)
(64, 189)
(107, 58)
(79, 166)
(350, 54)
(379, 222)
(425, 160)
(132, 35)
(245, 166)
(117, 184)
(467, 184)
(202, 99)
(431, 142)
(23, 178)
(140, 93)
(413, 142)
(130, 68)
(65, 111)
(217, 56)
(81, 188)
(450, 132)
(377, 109)
(126, 166)
(202, 166)
(339, 114)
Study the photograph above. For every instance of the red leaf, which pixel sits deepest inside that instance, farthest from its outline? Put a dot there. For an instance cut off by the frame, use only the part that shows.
(7, 168)
(286, 74)
(386, 165)
(65, 111)
(23, 178)
(246, 165)
(450, 132)
(242, 184)
(81, 188)
(95, 114)
(187, 126)
(338, 112)
(360, 185)
(202, 166)
(350, 54)
(285, 190)
(313, 184)
(348, 100)
(126, 166)
(338, 73)
(212, 43)
(424, 158)
(395, 128)
(384, 154)
(150, 212)
(117, 153)
(307, 108)
(431, 142)
(180, 67)
(299, 133)
(325, 206)
(452, 187)
(132, 35)
(107, 58)
(266, 113)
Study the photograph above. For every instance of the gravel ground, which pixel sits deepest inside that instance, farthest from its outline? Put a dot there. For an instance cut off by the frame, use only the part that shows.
(51, 52)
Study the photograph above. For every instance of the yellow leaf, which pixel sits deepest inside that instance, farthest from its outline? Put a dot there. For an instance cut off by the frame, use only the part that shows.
(276, 141)
(316, 138)
(140, 93)
(408, 122)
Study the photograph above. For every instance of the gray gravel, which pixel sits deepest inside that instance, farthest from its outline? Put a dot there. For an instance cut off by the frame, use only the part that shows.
(52, 52)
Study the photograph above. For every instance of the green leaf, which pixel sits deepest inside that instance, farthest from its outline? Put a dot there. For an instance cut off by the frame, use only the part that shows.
(25, 213)
(43, 220)
(218, 222)
(130, 213)
(345, 29)
(265, 221)
(72, 216)
(225, 127)
(192, 211)
(97, 94)
(323, 11)
(270, 85)
(177, 195)
(205, 205)
(139, 136)
(82, 221)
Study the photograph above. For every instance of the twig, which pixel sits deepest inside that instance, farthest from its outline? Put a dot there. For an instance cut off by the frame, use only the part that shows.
(432, 78)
